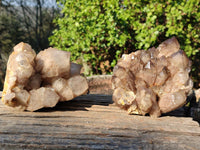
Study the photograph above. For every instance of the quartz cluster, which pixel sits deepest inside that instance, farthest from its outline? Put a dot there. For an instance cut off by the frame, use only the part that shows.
(36, 81)
(152, 82)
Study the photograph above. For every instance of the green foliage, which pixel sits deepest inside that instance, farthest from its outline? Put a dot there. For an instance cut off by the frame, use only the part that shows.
(9, 36)
(100, 31)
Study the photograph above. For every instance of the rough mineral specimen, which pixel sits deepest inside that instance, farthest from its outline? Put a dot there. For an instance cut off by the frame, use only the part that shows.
(36, 81)
(154, 81)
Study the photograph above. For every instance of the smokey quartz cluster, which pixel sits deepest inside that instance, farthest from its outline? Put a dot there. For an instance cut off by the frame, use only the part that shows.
(36, 81)
(152, 82)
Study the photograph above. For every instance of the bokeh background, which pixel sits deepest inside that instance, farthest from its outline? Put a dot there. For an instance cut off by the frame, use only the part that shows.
(98, 32)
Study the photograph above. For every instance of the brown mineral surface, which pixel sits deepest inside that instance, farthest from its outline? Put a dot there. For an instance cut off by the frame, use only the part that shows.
(152, 82)
(36, 81)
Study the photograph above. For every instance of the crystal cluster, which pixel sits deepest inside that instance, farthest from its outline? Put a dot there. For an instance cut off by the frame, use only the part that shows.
(36, 81)
(152, 82)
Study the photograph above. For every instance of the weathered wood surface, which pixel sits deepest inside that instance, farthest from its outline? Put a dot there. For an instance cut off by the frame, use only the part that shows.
(94, 122)
(100, 84)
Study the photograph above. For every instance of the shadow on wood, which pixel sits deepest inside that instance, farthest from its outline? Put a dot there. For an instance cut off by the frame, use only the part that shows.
(81, 103)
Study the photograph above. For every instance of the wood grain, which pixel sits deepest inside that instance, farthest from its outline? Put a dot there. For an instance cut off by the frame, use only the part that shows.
(100, 84)
(94, 122)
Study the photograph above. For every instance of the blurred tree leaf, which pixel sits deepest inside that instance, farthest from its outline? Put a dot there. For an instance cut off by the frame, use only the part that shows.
(102, 30)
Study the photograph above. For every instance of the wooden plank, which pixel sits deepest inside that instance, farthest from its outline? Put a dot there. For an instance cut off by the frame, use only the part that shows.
(94, 122)
(100, 84)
